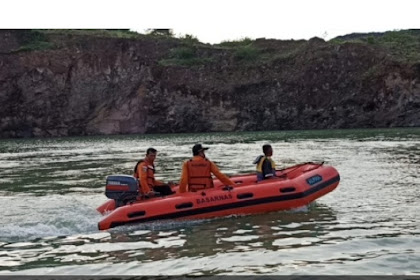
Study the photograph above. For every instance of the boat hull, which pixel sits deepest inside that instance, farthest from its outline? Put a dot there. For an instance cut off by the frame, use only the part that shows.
(294, 187)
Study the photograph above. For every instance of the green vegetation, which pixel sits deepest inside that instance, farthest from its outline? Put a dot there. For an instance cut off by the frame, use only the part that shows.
(371, 72)
(31, 40)
(161, 32)
(244, 51)
(404, 45)
(189, 39)
(183, 53)
(286, 55)
(370, 40)
(184, 56)
(112, 33)
(247, 53)
(236, 43)
(37, 39)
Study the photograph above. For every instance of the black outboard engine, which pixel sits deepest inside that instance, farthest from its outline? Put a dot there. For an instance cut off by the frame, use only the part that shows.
(122, 188)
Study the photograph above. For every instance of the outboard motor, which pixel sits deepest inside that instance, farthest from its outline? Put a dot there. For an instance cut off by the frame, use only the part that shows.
(122, 188)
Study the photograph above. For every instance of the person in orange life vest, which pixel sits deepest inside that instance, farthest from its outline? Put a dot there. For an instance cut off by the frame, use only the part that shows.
(145, 173)
(196, 172)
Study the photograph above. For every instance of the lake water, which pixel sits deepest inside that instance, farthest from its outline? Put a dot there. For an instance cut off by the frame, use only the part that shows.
(369, 225)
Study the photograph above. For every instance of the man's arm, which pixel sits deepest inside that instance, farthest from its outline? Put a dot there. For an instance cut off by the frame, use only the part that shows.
(142, 171)
(183, 182)
(219, 175)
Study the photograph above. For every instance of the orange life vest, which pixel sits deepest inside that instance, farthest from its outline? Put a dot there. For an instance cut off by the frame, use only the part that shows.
(150, 173)
(199, 175)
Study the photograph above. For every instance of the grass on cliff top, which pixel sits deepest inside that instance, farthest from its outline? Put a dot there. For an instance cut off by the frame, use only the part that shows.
(37, 39)
(236, 43)
(189, 55)
(184, 56)
(243, 50)
(247, 53)
(32, 40)
(111, 33)
(404, 44)
(123, 33)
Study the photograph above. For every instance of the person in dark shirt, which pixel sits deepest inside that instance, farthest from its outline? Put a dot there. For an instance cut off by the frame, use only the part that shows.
(266, 167)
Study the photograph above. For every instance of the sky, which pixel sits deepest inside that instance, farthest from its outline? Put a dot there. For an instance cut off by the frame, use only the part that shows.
(214, 21)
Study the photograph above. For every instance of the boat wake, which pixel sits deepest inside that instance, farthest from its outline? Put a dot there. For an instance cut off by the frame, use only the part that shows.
(59, 216)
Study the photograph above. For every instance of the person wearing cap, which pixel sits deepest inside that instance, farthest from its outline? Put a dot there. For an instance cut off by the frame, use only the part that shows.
(144, 171)
(266, 167)
(196, 172)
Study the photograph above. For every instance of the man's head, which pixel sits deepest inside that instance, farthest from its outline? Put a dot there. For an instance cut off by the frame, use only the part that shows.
(198, 150)
(268, 151)
(151, 155)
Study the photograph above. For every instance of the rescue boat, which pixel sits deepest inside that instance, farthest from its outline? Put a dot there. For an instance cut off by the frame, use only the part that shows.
(292, 187)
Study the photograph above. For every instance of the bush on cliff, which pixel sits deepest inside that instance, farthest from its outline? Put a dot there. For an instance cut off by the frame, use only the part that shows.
(31, 40)
(184, 56)
(236, 43)
(404, 45)
(246, 53)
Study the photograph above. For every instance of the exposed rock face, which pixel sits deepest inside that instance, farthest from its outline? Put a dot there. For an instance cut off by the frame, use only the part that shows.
(92, 85)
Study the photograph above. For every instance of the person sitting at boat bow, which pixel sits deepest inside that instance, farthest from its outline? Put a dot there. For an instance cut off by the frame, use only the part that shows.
(266, 167)
(144, 171)
(196, 172)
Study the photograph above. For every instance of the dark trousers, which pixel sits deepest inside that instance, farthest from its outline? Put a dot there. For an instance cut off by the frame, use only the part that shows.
(163, 189)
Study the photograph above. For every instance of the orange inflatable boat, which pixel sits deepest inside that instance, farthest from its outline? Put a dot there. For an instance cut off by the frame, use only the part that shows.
(292, 187)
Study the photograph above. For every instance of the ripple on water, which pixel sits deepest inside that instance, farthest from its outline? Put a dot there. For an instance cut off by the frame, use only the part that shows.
(368, 225)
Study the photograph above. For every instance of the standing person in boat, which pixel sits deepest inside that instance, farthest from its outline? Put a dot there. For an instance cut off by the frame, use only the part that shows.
(196, 172)
(266, 167)
(144, 171)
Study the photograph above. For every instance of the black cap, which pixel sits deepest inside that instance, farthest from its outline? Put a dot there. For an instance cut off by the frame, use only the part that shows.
(198, 148)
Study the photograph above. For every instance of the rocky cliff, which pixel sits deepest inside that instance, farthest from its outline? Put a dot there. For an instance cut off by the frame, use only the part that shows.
(63, 83)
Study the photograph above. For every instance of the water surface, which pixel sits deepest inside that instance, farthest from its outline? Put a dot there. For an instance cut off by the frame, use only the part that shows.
(50, 188)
